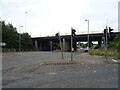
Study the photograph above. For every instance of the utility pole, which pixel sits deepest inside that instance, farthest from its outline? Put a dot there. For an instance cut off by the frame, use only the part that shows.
(25, 20)
(88, 34)
(20, 38)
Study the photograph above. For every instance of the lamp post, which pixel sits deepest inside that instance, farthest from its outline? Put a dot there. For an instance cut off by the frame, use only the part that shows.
(88, 33)
(25, 20)
(20, 38)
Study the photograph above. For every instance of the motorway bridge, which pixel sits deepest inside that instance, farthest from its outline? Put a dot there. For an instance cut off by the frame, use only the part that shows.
(52, 42)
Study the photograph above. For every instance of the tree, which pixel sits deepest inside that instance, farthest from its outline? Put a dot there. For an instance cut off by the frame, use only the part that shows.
(115, 43)
(26, 41)
(11, 37)
(117, 38)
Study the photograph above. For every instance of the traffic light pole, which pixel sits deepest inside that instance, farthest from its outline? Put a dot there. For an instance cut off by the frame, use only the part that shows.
(71, 46)
(72, 35)
(106, 44)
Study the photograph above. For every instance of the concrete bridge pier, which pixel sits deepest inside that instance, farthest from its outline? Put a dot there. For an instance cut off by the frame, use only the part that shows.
(42, 45)
(67, 46)
(50, 45)
(63, 44)
(36, 44)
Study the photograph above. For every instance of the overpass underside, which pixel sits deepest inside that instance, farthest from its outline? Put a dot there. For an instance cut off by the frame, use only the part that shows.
(52, 43)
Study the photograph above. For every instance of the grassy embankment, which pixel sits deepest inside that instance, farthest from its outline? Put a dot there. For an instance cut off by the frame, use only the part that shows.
(102, 52)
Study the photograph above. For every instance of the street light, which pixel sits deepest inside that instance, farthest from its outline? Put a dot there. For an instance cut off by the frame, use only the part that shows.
(20, 38)
(88, 33)
(25, 20)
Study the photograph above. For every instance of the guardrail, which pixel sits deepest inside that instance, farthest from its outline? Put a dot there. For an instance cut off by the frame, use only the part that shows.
(83, 32)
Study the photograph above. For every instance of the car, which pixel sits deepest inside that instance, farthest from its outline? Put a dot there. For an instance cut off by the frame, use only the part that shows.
(80, 50)
(86, 49)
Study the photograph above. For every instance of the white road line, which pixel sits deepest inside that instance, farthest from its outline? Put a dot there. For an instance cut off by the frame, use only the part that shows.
(114, 60)
(52, 73)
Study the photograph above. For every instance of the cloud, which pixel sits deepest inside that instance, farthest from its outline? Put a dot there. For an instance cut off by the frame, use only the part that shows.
(62, 14)
(18, 1)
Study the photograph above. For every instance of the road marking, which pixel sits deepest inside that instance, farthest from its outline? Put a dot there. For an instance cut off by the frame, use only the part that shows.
(94, 71)
(114, 60)
(52, 73)
(20, 53)
(88, 67)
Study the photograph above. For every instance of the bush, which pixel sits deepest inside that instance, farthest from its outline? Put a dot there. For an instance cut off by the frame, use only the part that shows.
(98, 52)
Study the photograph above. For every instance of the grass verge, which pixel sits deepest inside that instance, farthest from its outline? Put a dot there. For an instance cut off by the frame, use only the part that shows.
(102, 52)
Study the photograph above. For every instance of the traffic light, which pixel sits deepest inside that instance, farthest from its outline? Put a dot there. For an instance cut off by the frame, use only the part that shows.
(57, 34)
(105, 32)
(73, 32)
(110, 32)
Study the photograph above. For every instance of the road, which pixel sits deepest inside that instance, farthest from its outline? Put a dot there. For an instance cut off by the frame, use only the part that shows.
(24, 71)
(26, 58)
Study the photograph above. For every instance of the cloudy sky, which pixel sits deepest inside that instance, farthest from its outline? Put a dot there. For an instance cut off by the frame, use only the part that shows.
(47, 17)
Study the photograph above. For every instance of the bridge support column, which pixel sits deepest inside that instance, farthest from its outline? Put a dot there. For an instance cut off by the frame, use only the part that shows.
(51, 45)
(40, 45)
(63, 44)
(68, 46)
(36, 44)
(45, 45)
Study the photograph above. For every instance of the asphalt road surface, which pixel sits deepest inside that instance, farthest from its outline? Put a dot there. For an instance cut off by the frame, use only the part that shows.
(11, 60)
(23, 70)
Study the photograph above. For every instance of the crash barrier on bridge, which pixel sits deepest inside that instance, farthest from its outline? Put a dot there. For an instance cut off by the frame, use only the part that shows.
(84, 32)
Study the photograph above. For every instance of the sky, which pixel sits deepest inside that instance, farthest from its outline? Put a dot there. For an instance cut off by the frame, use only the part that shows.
(47, 17)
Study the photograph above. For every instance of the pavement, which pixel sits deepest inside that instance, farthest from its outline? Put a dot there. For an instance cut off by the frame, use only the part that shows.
(48, 70)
